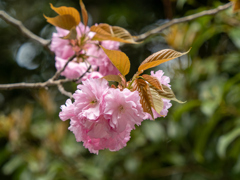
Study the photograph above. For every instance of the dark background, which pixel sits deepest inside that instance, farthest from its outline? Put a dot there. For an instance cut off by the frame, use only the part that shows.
(198, 140)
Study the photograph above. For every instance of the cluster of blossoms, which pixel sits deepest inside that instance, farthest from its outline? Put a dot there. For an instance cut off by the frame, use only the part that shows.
(103, 117)
(91, 53)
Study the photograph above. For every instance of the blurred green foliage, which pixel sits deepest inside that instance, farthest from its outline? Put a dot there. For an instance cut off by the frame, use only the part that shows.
(198, 140)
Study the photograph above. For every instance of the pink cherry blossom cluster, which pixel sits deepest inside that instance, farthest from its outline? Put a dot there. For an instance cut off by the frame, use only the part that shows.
(95, 56)
(103, 117)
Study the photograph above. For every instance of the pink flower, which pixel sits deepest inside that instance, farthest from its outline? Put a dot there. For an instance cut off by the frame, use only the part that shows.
(88, 100)
(113, 45)
(102, 117)
(124, 108)
(92, 75)
(73, 69)
(166, 102)
(98, 135)
(64, 49)
(67, 111)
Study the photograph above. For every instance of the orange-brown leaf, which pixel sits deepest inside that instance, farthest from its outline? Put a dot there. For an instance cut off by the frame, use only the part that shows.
(159, 58)
(84, 13)
(63, 10)
(113, 78)
(145, 95)
(119, 60)
(114, 33)
(153, 81)
(236, 5)
(167, 93)
(62, 21)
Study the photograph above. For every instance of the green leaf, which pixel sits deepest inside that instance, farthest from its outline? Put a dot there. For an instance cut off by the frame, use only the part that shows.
(177, 114)
(205, 133)
(225, 140)
(13, 164)
(72, 34)
(157, 101)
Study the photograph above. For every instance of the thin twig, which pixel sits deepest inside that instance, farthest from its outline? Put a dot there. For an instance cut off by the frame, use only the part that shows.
(83, 74)
(57, 74)
(38, 85)
(50, 82)
(18, 24)
(181, 20)
(63, 91)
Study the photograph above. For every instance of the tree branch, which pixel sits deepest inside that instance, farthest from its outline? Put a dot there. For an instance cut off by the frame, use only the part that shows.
(18, 24)
(63, 91)
(50, 82)
(181, 20)
(38, 85)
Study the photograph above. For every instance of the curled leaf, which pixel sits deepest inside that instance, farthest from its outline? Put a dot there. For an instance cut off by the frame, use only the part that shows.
(145, 95)
(119, 60)
(84, 13)
(63, 10)
(68, 17)
(153, 81)
(159, 58)
(114, 33)
(63, 21)
(113, 78)
(166, 93)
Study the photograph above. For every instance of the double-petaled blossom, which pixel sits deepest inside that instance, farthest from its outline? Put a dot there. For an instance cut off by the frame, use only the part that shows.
(93, 55)
(102, 117)
(166, 102)
(124, 108)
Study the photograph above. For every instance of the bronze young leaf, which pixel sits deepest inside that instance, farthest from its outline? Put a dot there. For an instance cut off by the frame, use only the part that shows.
(153, 81)
(159, 58)
(114, 33)
(145, 95)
